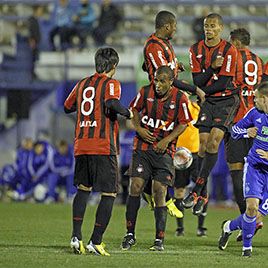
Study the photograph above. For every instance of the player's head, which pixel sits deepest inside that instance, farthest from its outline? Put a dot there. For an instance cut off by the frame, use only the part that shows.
(213, 26)
(240, 37)
(39, 147)
(261, 97)
(163, 80)
(165, 21)
(27, 143)
(62, 146)
(106, 60)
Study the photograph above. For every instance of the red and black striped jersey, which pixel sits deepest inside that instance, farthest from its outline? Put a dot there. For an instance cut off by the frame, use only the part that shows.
(265, 72)
(97, 128)
(158, 52)
(160, 116)
(249, 70)
(202, 56)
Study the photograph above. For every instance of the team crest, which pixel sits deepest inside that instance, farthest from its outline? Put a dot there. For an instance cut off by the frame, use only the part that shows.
(172, 106)
(264, 130)
(203, 118)
(140, 168)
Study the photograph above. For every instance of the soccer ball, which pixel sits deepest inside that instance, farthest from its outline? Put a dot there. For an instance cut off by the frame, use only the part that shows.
(183, 158)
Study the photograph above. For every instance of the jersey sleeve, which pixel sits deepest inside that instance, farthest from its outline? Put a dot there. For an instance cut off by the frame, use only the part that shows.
(138, 103)
(184, 115)
(228, 67)
(113, 90)
(239, 130)
(156, 55)
(194, 63)
(70, 102)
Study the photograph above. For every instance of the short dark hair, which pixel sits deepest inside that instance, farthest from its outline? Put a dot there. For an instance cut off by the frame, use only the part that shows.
(242, 35)
(106, 59)
(215, 16)
(163, 17)
(165, 69)
(263, 88)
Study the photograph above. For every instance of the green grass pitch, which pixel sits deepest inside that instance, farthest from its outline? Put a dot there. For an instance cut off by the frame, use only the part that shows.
(35, 235)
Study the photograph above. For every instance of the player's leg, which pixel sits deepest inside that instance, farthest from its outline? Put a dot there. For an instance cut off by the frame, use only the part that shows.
(160, 214)
(106, 182)
(179, 194)
(140, 173)
(84, 187)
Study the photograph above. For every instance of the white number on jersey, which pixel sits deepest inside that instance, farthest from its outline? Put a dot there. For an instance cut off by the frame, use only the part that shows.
(251, 74)
(89, 100)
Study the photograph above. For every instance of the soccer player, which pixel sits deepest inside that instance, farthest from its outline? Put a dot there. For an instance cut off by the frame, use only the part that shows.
(96, 102)
(248, 75)
(160, 116)
(265, 73)
(255, 171)
(213, 65)
(189, 139)
(158, 51)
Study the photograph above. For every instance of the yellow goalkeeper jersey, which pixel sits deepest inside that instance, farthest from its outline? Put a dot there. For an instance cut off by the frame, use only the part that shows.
(190, 137)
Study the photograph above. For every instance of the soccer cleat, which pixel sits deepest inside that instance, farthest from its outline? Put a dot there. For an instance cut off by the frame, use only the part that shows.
(128, 241)
(199, 206)
(223, 240)
(173, 210)
(247, 253)
(149, 199)
(179, 231)
(158, 245)
(239, 237)
(201, 232)
(97, 249)
(77, 246)
(189, 200)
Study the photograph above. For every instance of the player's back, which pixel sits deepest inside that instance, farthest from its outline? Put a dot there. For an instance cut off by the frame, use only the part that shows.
(96, 127)
(249, 72)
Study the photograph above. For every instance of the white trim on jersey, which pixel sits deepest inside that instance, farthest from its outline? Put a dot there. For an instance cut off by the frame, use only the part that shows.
(153, 60)
(137, 99)
(185, 110)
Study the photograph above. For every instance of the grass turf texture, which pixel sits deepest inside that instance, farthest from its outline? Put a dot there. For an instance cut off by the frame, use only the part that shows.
(35, 235)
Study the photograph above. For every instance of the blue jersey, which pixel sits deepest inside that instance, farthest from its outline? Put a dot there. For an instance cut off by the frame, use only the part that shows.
(22, 161)
(258, 119)
(39, 165)
(63, 165)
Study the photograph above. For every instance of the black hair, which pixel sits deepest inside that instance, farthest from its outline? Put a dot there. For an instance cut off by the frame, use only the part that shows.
(165, 69)
(242, 35)
(163, 17)
(215, 16)
(263, 88)
(105, 59)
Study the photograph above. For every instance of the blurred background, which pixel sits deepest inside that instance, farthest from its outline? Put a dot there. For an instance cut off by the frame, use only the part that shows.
(46, 46)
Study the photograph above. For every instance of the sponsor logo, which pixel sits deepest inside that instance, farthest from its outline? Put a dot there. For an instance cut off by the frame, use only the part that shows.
(172, 106)
(264, 130)
(199, 56)
(258, 120)
(139, 168)
(111, 89)
(150, 99)
(165, 125)
(228, 65)
(88, 124)
(203, 118)
(247, 93)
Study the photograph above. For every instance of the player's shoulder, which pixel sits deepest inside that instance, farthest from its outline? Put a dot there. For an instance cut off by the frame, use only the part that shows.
(195, 46)
(153, 42)
(252, 112)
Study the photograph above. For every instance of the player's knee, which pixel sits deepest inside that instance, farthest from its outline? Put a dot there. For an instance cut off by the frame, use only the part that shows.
(179, 193)
(84, 188)
(135, 187)
(213, 145)
(252, 210)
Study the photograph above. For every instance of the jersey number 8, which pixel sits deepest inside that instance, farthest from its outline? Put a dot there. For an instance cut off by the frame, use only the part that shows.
(89, 100)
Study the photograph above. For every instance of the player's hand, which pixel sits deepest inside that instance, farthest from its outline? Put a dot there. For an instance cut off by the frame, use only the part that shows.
(161, 146)
(181, 67)
(218, 62)
(263, 154)
(146, 135)
(252, 132)
(201, 94)
(130, 114)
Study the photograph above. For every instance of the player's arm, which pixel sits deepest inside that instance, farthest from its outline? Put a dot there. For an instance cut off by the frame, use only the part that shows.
(112, 99)
(218, 86)
(70, 102)
(240, 129)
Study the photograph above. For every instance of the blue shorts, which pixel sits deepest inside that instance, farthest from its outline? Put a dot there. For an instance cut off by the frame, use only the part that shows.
(263, 207)
(255, 182)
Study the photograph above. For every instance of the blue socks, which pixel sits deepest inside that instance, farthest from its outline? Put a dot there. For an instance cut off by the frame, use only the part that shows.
(248, 227)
